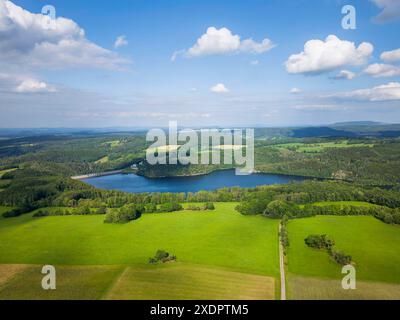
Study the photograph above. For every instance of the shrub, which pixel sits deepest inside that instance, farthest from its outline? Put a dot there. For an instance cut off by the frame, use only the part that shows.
(193, 207)
(150, 208)
(203, 207)
(41, 213)
(209, 206)
(101, 210)
(323, 242)
(396, 218)
(110, 217)
(319, 242)
(388, 218)
(170, 207)
(284, 237)
(279, 208)
(162, 256)
(18, 211)
(341, 257)
(252, 207)
(84, 211)
(124, 214)
(57, 212)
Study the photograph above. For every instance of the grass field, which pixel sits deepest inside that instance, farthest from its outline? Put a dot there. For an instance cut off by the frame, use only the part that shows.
(103, 160)
(373, 245)
(221, 255)
(221, 238)
(342, 204)
(166, 282)
(319, 147)
(306, 288)
(190, 282)
(78, 282)
(8, 271)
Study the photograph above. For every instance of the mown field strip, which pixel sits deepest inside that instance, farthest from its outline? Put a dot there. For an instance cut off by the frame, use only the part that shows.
(308, 288)
(73, 283)
(166, 282)
(186, 282)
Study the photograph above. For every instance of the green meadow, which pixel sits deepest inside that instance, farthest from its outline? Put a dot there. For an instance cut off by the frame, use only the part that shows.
(221, 255)
(322, 146)
(342, 204)
(222, 238)
(373, 245)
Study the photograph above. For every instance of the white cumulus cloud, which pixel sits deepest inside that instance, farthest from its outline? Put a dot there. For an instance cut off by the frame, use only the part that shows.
(120, 42)
(391, 56)
(23, 84)
(27, 38)
(323, 56)
(223, 41)
(219, 88)
(379, 70)
(34, 86)
(345, 75)
(386, 92)
(390, 10)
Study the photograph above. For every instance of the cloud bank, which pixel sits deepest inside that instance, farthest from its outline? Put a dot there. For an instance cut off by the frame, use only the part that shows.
(387, 92)
(391, 56)
(27, 38)
(379, 70)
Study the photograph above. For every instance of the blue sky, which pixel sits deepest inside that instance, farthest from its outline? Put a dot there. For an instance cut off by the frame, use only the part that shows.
(47, 80)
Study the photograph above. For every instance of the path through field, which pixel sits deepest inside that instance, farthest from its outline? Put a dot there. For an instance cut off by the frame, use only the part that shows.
(282, 267)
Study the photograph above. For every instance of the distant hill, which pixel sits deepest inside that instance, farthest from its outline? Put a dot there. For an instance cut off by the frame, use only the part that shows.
(312, 132)
(357, 124)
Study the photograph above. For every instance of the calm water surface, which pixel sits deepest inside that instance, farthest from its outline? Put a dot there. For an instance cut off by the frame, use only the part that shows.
(216, 180)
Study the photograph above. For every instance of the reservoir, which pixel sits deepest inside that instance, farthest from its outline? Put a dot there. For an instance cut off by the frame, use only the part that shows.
(216, 180)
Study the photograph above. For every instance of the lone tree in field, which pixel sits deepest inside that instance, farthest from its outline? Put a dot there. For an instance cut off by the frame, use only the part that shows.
(162, 256)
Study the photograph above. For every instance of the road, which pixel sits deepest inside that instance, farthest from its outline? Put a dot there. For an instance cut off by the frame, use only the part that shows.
(282, 267)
